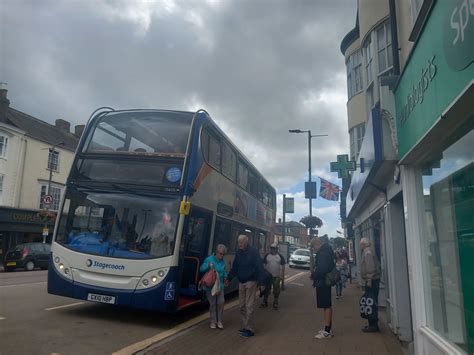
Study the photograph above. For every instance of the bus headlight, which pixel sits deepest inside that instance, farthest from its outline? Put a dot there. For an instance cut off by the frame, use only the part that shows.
(62, 267)
(152, 278)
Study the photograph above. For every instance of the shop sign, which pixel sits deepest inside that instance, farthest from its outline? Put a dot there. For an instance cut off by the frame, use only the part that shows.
(458, 41)
(417, 92)
(438, 70)
(25, 218)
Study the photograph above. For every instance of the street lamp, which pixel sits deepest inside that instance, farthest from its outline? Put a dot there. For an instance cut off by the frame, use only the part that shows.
(309, 160)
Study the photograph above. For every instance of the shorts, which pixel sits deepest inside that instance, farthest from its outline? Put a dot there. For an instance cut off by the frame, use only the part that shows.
(323, 297)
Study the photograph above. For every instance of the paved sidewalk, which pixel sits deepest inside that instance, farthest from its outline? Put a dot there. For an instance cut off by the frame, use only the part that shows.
(289, 330)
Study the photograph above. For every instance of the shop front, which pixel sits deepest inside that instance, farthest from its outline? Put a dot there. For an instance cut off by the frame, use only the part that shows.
(23, 226)
(435, 121)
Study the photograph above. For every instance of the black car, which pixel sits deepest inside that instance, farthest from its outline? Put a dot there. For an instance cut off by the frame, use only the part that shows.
(28, 256)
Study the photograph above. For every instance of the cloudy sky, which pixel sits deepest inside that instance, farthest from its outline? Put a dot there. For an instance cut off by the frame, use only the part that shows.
(259, 67)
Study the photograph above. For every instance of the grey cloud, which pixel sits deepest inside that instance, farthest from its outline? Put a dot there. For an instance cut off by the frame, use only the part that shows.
(250, 63)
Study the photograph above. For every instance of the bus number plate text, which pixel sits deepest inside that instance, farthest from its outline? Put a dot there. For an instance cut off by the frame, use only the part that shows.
(101, 298)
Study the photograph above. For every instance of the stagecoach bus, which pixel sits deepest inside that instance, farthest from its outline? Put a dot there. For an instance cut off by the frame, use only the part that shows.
(150, 195)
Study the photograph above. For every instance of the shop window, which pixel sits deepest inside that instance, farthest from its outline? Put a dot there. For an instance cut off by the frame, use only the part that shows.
(3, 146)
(53, 160)
(448, 196)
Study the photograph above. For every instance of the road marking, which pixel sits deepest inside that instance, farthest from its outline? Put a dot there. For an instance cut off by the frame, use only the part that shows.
(141, 345)
(32, 283)
(2, 318)
(296, 284)
(65, 306)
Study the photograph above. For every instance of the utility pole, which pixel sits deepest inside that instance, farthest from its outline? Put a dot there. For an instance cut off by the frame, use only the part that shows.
(284, 213)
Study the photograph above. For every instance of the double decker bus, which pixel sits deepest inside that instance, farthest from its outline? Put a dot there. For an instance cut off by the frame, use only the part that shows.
(150, 194)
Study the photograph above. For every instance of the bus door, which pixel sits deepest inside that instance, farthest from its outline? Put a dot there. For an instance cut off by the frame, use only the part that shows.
(196, 244)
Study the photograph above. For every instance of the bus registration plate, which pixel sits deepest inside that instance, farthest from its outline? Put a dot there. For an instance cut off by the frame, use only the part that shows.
(100, 298)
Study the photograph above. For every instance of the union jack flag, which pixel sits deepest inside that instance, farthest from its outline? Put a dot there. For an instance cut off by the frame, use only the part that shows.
(329, 191)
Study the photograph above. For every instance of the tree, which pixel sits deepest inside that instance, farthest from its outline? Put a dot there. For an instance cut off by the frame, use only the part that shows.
(339, 242)
(311, 222)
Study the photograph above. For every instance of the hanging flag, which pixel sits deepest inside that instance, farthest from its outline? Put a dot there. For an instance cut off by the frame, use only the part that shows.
(329, 191)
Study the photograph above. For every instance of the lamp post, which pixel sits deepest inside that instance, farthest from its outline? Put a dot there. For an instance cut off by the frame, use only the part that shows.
(309, 160)
(50, 166)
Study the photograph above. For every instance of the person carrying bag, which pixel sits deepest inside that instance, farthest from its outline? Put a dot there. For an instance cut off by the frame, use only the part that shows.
(212, 283)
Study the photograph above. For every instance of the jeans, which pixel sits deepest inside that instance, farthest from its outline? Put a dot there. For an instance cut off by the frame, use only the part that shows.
(276, 282)
(339, 287)
(216, 306)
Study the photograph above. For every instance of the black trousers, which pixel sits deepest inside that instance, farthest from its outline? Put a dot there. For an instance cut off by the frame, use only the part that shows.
(374, 289)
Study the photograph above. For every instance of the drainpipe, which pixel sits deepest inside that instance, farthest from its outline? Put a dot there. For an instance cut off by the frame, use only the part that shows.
(393, 27)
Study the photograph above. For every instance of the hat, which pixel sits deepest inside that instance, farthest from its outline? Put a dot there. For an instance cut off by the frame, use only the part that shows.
(274, 245)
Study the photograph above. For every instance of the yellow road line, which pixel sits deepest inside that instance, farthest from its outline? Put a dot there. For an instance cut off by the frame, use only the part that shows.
(131, 349)
(65, 306)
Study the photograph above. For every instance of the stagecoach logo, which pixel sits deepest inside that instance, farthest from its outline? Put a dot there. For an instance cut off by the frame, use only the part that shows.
(103, 266)
(173, 174)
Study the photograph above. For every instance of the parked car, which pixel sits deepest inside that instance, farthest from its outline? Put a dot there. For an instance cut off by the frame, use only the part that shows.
(27, 256)
(300, 258)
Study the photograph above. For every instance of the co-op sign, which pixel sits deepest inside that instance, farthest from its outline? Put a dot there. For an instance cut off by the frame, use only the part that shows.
(103, 266)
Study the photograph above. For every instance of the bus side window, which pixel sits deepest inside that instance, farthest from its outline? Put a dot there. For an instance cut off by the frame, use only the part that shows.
(222, 235)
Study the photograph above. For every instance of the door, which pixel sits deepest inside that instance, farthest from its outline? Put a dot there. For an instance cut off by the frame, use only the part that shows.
(196, 244)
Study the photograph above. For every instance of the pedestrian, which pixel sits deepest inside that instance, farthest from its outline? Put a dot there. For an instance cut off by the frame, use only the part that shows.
(324, 263)
(248, 268)
(275, 264)
(341, 266)
(216, 302)
(370, 272)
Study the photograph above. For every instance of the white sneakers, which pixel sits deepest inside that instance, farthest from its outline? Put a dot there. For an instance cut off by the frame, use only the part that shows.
(322, 334)
(218, 325)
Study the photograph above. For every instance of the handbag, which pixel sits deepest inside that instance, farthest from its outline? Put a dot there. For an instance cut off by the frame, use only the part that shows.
(216, 288)
(209, 278)
(368, 306)
(332, 277)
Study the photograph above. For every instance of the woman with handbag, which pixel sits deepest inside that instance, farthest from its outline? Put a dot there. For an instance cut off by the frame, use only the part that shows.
(213, 284)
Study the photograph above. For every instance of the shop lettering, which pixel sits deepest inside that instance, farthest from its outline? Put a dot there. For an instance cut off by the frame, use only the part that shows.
(25, 217)
(460, 18)
(417, 92)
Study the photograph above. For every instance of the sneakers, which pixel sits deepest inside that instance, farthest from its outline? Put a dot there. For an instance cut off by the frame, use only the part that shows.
(247, 333)
(212, 325)
(220, 325)
(323, 335)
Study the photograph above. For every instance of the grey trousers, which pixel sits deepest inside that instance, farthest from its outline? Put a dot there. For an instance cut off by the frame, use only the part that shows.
(247, 294)
(216, 306)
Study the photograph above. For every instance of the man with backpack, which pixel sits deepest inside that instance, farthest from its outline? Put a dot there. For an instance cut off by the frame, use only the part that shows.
(275, 265)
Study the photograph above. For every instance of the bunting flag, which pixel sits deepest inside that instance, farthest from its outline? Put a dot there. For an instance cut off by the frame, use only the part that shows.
(328, 190)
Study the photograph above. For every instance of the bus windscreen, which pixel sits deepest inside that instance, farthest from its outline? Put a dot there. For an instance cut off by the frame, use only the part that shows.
(141, 133)
(117, 224)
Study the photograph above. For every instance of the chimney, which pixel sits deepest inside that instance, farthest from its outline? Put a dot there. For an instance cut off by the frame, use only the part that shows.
(4, 102)
(63, 125)
(78, 130)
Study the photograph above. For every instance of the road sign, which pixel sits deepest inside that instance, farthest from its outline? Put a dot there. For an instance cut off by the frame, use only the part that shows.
(47, 199)
(289, 203)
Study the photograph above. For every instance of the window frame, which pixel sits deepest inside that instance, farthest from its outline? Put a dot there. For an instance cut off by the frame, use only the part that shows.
(355, 79)
(56, 201)
(3, 146)
(387, 47)
(51, 153)
(2, 182)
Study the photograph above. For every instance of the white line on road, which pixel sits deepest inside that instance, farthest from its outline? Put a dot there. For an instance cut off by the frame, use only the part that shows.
(132, 349)
(2, 318)
(65, 306)
(296, 284)
(31, 283)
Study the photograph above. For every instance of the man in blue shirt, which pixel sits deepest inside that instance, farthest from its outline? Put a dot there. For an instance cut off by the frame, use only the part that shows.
(248, 268)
